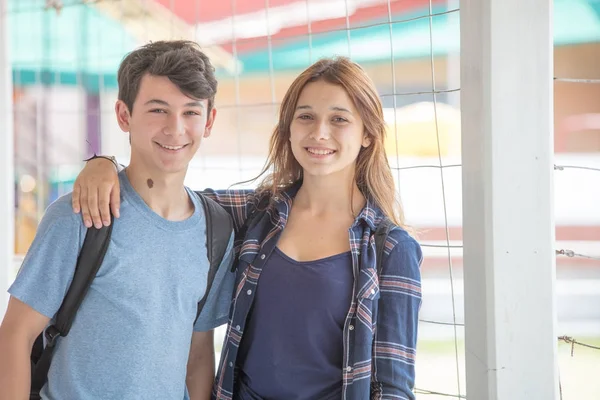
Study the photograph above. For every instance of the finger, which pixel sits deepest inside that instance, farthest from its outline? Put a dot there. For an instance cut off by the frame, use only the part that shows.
(85, 208)
(115, 200)
(75, 199)
(103, 203)
(94, 210)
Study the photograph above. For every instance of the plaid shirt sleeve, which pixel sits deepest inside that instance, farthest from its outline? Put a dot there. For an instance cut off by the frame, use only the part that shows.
(395, 341)
(238, 203)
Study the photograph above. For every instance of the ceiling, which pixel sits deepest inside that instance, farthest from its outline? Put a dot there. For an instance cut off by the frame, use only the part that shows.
(87, 42)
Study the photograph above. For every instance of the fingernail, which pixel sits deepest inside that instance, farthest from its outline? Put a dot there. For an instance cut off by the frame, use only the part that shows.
(87, 223)
(106, 223)
(117, 213)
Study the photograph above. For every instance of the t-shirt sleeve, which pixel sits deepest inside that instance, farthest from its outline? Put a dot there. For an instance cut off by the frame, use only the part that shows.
(49, 265)
(216, 308)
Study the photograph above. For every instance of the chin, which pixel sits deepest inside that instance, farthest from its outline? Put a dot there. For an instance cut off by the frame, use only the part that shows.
(172, 167)
(325, 170)
(322, 171)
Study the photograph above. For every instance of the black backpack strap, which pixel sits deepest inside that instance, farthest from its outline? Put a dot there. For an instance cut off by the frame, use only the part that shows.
(88, 262)
(259, 210)
(218, 232)
(381, 234)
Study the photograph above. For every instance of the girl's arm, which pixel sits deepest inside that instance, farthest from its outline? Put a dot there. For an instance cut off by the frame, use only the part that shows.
(395, 341)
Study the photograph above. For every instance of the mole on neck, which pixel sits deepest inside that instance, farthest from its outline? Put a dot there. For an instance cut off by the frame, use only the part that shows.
(150, 183)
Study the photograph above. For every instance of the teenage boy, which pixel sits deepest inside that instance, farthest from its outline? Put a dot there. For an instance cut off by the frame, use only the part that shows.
(135, 335)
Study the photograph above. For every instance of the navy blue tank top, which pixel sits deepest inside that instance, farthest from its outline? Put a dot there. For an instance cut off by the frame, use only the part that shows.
(292, 347)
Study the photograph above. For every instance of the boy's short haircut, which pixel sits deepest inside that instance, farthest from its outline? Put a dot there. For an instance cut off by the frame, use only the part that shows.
(181, 61)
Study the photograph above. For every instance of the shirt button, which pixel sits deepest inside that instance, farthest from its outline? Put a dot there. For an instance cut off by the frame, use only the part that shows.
(231, 363)
(348, 369)
(237, 328)
(351, 327)
(249, 292)
(262, 257)
(276, 198)
(372, 291)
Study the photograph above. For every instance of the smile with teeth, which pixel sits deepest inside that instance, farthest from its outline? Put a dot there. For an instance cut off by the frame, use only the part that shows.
(320, 152)
(164, 146)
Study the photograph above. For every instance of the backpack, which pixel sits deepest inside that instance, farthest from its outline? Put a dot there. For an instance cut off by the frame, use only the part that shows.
(218, 231)
(381, 234)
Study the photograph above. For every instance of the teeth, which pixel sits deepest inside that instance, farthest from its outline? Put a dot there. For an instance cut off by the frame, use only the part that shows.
(320, 152)
(171, 147)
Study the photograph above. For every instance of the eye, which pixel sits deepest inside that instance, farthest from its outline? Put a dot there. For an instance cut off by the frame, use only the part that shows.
(158, 111)
(305, 117)
(339, 119)
(192, 113)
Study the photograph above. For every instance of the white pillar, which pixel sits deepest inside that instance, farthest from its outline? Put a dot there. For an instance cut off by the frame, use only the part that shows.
(7, 196)
(508, 220)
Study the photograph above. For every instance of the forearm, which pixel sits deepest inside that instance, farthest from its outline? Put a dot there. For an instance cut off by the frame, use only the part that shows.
(15, 367)
(200, 377)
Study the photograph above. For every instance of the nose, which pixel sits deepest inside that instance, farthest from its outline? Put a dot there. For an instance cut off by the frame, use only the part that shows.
(321, 131)
(175, 126)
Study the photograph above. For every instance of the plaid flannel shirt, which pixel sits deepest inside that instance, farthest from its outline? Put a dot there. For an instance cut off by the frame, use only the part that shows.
(380, 331)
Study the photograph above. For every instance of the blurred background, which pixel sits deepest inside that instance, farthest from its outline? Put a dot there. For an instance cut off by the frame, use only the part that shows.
(64, 57)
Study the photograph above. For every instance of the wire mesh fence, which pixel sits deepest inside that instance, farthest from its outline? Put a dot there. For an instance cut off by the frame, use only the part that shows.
(573, 381)
(65, 59)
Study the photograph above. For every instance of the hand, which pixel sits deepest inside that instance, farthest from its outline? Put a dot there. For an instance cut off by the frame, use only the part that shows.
(96, 193)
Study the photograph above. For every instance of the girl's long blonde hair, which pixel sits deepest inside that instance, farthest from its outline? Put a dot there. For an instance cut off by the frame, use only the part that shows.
(373, 174)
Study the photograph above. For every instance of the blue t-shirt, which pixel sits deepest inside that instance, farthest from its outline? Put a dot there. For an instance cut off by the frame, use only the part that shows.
(131, 337)
(293, 346)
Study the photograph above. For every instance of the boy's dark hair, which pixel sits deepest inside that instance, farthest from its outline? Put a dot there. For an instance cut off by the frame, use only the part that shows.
(181, 61)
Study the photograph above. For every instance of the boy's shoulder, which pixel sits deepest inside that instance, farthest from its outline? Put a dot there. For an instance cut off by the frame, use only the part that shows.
(61, 209)
(60, 221)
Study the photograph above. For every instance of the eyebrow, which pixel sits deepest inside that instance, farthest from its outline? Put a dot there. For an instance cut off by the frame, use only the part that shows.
(334, 108)
(164, 103)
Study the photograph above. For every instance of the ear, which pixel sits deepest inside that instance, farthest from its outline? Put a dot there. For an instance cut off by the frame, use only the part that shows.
(209, 122)
(123, 115)
(366, 142)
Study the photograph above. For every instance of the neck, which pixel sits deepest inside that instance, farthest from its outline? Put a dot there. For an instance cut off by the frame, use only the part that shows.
(331, 194)
(163, 193)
